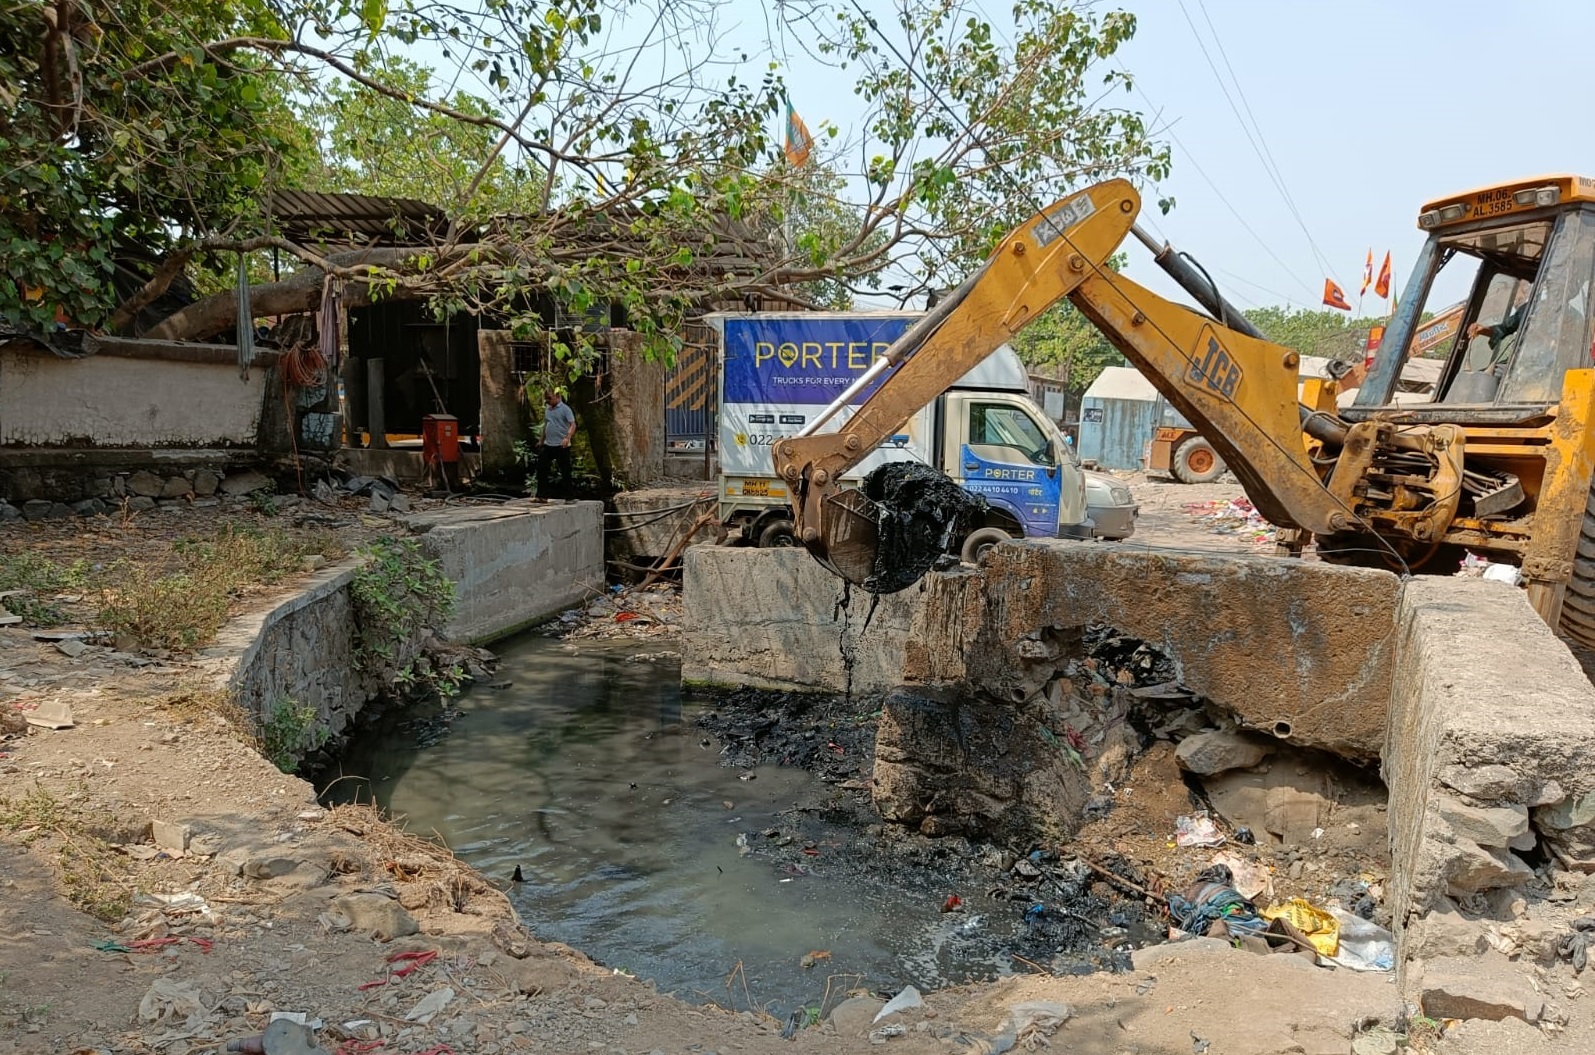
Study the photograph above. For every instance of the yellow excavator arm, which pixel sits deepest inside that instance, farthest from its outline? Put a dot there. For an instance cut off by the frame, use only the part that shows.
(1238, 389)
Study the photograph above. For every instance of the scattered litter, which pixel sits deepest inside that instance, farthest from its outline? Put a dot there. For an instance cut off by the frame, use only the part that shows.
(1320, 929)
(430, 1005)
(1199, 1044)
(1364, 945)
(1197, 830)
(894, 1029)
(1033, 1020)
(908, 998)
(412, 961)
(1236, 516)
(1506, 573)
(1574, 947)
(1249, 877)
(952, 904)
(1380, 1040)
(170, 1002)
(1212, 899)
(811, 958)
(51, 714)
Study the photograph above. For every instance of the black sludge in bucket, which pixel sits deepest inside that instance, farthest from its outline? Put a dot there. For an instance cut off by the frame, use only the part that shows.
(920, 513)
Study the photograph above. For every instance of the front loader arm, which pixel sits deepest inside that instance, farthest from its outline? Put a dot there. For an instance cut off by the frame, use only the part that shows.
(1034, 267)
(1238, 391)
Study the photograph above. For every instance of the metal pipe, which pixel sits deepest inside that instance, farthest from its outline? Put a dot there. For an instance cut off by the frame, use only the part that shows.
(901, 349)
(1189, 274)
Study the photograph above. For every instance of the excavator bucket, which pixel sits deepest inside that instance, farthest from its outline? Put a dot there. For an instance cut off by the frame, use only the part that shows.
(884, 536)
(850, 536)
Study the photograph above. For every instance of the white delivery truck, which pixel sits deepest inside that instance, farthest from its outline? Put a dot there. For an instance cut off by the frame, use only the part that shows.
(778, 369)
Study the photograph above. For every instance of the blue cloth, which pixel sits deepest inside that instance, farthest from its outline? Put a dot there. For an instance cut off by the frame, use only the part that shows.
(1212, 903)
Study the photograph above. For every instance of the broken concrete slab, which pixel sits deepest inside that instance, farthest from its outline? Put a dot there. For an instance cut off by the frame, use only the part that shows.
(1487, 783)
(51, 714)
(243, 483)
(1445, 933)
(171, 836)
(1472, 869)
(1219, 752)
(1486, 986)
(1294, 815)
(1494, 826)
(72, 647)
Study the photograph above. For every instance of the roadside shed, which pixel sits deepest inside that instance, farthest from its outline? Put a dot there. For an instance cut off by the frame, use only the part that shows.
(1117, 415)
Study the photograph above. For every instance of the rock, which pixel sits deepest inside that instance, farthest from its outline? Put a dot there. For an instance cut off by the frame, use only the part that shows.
(146, 484)
(399, 504)
(9, 511)
(51, 714)
(1153, 956)
(206, 482)
(72, 646)
(314, 562)
(89, 507)
(177, 487)
(1488, 783)
(429, 1005)
(1569, 828)
(535, 975)
(140, 504)
(1481, 987)
(377, 915)
(1471, 869)
(1219, 752)
(379, 501)
(1486, 825)
(854, 1016)
(1445, 933)
(36, 509)
(247, 482)
(169, 835)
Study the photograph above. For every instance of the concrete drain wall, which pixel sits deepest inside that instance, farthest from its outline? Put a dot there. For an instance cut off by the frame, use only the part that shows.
(1481, 721)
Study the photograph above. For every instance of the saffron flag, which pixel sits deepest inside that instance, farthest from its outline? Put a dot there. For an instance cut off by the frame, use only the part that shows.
(798, 140)
(1381, 288)
(1367, 273)
(1334, 296)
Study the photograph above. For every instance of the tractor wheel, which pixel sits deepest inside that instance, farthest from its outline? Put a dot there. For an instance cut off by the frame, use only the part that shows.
(979, 543)
(1578, 602)
(1196, 462)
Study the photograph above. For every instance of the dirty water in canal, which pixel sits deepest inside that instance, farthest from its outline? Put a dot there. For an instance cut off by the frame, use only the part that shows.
(651, 844)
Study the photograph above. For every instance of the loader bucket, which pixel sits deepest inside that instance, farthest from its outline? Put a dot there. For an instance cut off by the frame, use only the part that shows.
(885, 536)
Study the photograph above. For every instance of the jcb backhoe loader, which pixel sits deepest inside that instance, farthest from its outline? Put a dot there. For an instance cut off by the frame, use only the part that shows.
(1499, 463)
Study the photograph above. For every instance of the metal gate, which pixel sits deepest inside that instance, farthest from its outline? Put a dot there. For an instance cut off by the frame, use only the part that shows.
(690, 391)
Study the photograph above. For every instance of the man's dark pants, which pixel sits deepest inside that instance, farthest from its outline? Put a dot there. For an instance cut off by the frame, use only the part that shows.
(549, 458)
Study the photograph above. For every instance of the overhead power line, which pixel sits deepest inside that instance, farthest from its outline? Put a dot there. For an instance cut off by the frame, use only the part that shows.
(1258, 141)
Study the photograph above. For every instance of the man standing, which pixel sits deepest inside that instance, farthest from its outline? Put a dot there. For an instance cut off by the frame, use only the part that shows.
(559, 425)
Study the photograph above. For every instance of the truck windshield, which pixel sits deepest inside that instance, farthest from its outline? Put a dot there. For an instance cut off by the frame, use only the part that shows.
(1003, 425)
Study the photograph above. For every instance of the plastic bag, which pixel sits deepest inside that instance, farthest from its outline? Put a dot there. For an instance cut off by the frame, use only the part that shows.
(1364, 946)
(1321, 929)
(1197, 830)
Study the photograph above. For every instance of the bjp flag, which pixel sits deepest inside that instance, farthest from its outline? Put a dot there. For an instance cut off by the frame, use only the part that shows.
(1367, 273)
(1334, 296)
(1381, 288)
(798, 140)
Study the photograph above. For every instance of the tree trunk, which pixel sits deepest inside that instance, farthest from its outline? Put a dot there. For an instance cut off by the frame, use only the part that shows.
(595, 416)
(299, 292)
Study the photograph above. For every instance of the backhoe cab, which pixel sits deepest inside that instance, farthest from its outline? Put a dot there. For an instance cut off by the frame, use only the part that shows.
(1498, 463)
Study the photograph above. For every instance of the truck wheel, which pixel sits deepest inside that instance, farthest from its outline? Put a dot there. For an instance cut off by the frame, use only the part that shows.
(979, 543)
(1578, 603)
(1196, 462)
(778, 534)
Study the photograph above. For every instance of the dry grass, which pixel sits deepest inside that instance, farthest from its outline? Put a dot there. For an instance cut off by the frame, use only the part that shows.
(429, 874)
(90, 873)
(181, 601)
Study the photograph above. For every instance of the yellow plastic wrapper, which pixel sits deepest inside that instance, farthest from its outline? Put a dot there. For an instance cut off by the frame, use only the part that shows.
(1321, 929)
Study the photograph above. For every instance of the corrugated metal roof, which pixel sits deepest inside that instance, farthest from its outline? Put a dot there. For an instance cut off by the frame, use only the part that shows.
(338, 218)
(1121, 382)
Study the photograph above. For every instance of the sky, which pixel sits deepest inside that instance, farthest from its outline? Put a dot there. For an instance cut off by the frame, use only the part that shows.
(1364, 109)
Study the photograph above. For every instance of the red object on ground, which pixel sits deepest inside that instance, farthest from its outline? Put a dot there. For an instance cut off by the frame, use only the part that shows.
(952, 904)
(416, 959)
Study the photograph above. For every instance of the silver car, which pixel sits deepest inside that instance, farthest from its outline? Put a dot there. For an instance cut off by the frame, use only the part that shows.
(1110, 506)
